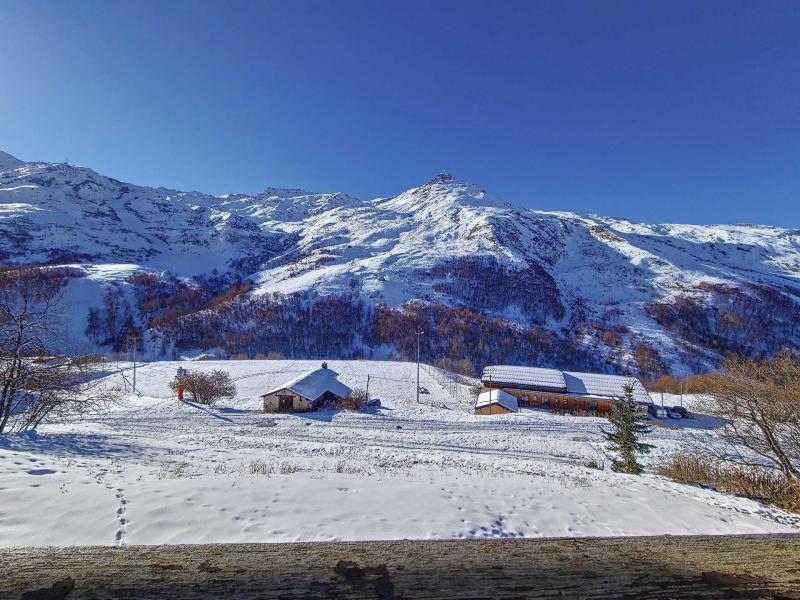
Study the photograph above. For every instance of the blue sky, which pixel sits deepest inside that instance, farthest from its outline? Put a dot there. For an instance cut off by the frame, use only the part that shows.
(655, 111)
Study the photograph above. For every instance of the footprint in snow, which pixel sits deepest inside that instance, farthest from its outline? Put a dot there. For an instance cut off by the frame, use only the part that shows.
(40, 471)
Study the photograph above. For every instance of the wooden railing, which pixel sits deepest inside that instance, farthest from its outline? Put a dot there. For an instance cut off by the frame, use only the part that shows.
(751, 566)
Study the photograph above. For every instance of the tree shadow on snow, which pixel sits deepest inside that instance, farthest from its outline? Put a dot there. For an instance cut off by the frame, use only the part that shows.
(321, 415)
(68, 444)
(327, 415)
(237, 411)
(374, 410)
(697, 421)
(204, 409)
(99, 374)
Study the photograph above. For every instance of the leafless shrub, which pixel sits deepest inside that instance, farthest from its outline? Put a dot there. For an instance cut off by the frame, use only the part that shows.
(271, 355)
(460, 367)
(207, 387)
(667, 384)
(341, 467)
(176, 471)
(259, 467)
(286, 468)
(355, 401)
(750, 482)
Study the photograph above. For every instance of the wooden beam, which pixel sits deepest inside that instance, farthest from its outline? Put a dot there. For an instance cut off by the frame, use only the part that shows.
(751, 566)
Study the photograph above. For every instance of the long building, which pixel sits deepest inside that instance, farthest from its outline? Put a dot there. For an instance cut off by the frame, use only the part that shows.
(563, 391)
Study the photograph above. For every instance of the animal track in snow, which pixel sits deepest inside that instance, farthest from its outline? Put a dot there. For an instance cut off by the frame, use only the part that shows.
(122, 520)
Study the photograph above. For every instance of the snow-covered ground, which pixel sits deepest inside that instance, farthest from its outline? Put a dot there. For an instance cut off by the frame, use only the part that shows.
(153, 470)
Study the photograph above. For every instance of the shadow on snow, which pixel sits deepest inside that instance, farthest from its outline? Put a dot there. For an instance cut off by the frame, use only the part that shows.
(68, 444)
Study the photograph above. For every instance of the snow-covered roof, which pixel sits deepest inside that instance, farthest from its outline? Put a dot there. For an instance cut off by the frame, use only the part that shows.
(314, 384)
(602, 385)
(496, 396)
(598, 385)
(546, 379)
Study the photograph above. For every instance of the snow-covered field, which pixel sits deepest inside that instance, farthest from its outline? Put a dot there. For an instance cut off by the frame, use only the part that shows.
(153, 470)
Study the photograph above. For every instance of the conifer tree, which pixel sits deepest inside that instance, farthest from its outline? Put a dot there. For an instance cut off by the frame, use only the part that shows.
(628, 428)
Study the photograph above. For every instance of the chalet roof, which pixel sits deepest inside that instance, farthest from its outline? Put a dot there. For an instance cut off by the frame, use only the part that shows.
(497, 396)
(551, 379)
(313, 385)
(604, 386)
(596, 385)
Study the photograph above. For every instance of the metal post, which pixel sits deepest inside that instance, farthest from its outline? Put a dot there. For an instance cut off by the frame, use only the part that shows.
(419, 333)
(134, 366)
(133, 339)
(367, 387)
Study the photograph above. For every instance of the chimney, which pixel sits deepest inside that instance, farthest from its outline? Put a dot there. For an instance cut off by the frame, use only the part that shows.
(324, 365)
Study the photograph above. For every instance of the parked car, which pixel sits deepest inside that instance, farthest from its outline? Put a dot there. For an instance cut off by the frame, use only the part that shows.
(684, 413)
(673, 414)
(659, 412)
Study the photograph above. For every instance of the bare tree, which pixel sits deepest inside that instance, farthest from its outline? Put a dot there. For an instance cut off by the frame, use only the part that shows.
(36, 382)
(207, 388)
(760, 403)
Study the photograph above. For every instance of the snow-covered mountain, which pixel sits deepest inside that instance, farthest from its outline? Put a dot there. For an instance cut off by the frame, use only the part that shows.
(627, 292)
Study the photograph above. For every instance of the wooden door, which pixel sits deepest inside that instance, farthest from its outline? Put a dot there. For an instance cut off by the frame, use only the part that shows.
(284, 403)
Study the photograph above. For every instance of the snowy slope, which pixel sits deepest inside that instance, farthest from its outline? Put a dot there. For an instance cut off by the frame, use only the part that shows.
(8, 162)
(560, 270)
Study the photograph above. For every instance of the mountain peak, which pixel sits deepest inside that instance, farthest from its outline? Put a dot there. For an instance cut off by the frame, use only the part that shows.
(8, 162)
(442, 193)
(442, 177)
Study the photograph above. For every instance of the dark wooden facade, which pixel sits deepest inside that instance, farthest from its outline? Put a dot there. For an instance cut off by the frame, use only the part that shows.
(492, 409)
(529, 398)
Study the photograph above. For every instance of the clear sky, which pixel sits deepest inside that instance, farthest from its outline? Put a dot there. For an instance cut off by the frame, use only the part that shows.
(655, 111)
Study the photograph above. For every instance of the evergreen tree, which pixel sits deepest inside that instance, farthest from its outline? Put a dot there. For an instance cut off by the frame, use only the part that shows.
(628, 428)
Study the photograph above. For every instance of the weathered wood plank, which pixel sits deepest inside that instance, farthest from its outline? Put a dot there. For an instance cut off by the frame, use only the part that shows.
(757, 566)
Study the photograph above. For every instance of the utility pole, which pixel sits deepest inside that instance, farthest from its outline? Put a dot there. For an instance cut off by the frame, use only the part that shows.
(367, 387)
(419, 333)
(133, 340)
(490, 394)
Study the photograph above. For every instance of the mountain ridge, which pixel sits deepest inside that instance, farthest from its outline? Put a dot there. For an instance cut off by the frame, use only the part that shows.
(445, 243)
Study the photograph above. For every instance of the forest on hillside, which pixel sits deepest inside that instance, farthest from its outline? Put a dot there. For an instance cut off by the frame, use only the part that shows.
(174, 314)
